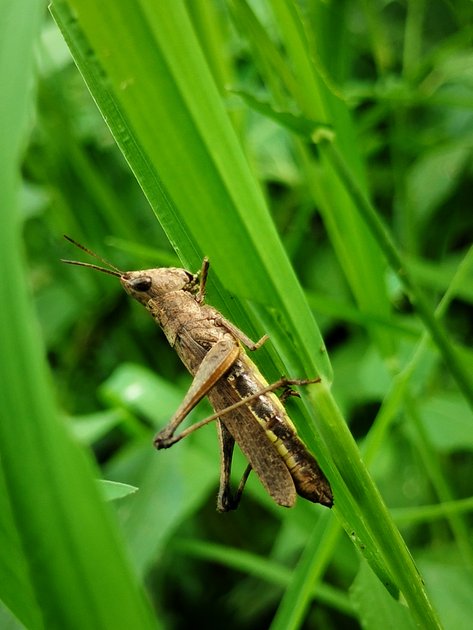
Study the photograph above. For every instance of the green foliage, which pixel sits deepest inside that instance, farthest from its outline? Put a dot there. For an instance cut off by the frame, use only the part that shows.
(312, 151)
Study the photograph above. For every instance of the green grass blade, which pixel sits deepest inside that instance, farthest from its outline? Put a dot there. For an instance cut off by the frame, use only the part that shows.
(309, 571)
(374, 605)
(263, 568)
(65, 557)
(416, 296)
(307, 85)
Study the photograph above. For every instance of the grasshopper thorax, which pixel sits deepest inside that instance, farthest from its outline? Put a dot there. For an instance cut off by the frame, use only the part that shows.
(152, 283)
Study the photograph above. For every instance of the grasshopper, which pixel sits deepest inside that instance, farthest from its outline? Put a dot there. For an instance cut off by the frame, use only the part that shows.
(246, 409)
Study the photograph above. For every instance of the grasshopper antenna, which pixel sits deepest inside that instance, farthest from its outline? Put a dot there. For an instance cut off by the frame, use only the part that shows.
(113, 271)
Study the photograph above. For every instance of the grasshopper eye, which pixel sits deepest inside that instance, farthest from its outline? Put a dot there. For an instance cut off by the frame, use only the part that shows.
(141, 284)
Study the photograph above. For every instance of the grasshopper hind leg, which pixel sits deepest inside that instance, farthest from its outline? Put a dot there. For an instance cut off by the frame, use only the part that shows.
(226, 500)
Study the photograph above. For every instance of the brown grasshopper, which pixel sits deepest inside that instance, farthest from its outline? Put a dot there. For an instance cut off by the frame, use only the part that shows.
(246, 409)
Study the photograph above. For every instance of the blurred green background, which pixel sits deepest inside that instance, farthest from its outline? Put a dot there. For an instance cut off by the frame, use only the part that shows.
(394, 82)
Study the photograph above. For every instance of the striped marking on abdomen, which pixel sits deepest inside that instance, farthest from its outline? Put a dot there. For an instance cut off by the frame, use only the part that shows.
(269, 413)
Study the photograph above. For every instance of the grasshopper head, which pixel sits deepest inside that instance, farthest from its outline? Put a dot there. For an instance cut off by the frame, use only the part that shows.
(151, 283)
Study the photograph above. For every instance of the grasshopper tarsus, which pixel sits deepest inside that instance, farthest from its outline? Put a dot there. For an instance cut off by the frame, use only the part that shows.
(260, 342)
(288, 392)
(226, 501)
(162, 442)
